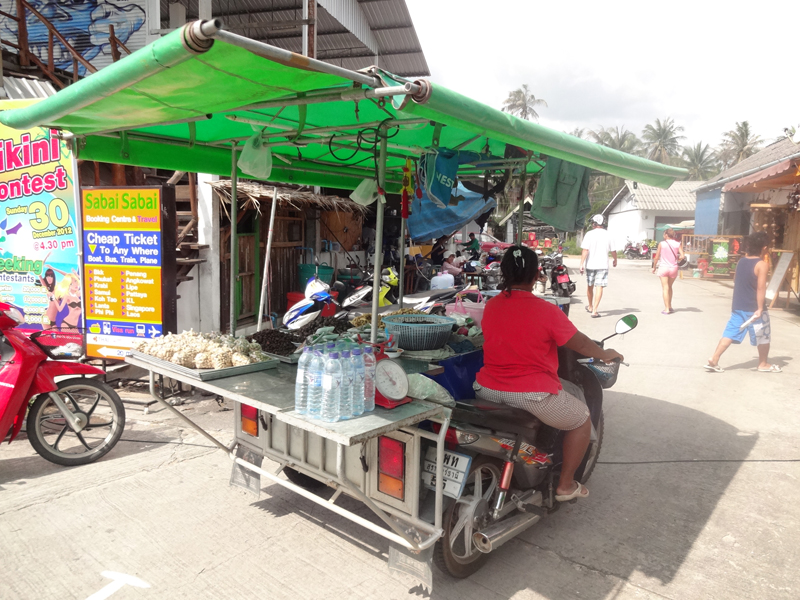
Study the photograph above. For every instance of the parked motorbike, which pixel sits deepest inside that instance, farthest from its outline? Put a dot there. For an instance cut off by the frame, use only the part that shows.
(317, 296)
(515, 464)
(637, 250)
(73, 422)
(561, 284)
(361, 295)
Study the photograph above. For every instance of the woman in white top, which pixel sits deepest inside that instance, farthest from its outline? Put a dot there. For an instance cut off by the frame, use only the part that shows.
(666, 262)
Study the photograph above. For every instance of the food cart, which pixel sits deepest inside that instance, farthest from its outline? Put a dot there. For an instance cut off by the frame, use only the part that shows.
(192, 101)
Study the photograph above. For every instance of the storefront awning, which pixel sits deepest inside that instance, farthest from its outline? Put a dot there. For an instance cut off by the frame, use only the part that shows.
(183, 101)
(784, 173)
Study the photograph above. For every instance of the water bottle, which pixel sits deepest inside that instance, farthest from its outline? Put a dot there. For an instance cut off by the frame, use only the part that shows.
(331, 388)
(301, 382)
(314, 373)
(369, 379)
(330, 347)
(346, 393)
(358, 381)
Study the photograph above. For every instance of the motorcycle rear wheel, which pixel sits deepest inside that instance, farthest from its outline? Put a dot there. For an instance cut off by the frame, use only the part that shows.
(454, 553)
(52, 437)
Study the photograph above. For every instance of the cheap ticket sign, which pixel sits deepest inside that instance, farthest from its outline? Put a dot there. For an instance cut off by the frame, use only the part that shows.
(122, 260)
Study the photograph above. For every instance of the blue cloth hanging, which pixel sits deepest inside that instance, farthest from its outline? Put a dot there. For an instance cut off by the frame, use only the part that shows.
(428, 221)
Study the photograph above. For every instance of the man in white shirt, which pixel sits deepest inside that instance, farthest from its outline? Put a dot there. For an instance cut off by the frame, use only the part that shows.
(596, 245)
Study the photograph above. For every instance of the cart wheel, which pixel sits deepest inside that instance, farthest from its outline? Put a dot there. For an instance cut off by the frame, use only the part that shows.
(303, 480)
(93, 402)
(455, 553)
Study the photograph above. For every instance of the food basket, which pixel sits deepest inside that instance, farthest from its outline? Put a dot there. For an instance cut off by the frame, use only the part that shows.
(60, 345)
(419, 332)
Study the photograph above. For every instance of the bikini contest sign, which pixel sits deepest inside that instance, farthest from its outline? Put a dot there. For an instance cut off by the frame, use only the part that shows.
(39, 227)
(122, 268)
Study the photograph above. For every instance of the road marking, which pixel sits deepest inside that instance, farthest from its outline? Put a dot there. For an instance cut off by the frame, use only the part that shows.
(120, 580)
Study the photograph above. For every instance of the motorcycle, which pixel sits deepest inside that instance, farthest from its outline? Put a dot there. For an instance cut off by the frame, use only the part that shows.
(637, 250)
(362, 294)
(72, 422)
(514, 464)
(317, 296)
(561, 284)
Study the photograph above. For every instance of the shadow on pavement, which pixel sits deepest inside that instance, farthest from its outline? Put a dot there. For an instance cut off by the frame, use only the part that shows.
(691, 309)
(618, 311)
(664, 468)
(33, 466)
(781, 361)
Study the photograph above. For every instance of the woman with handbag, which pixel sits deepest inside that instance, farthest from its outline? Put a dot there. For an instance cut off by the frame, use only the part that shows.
(668, 259)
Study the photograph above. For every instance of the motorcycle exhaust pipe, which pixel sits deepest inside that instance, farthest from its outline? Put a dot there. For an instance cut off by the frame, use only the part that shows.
(499, 533)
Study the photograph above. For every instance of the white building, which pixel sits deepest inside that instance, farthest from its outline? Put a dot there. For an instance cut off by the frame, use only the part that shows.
(637, 209)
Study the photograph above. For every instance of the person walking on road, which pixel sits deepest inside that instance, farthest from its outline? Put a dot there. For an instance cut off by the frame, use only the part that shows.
(748, 314)
(666, 261)
(594, 255)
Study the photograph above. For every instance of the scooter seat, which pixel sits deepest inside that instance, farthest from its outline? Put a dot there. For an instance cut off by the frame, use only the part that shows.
(502, 411)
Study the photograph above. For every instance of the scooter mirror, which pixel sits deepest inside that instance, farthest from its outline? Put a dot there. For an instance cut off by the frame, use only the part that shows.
(626, 324)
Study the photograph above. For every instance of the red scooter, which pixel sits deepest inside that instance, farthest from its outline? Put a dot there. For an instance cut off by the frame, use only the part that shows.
(72, 422)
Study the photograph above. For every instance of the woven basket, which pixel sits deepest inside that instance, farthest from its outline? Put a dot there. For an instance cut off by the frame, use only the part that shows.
(412, 334)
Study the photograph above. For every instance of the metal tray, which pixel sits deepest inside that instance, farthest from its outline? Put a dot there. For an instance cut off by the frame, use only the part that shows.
(203, 374)
(291, 359)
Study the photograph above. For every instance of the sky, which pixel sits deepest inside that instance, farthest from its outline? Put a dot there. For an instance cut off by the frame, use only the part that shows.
(707, 64)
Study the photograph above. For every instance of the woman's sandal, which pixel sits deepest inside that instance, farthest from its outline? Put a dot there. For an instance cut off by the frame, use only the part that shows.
(578, 493)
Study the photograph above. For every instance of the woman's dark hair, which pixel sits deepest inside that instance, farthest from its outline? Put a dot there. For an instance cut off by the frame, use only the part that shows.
(520, 266)
(755, 242)
(50, 286)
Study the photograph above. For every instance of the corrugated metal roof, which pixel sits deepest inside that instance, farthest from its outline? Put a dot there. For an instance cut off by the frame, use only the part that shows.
(774, 152)
(679, 196)
(276, 22)
(22, 88)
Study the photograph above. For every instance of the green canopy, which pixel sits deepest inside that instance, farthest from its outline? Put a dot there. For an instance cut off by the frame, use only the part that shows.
(181, 102)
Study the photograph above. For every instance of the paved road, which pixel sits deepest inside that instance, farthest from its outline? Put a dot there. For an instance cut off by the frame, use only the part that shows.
(696, 496)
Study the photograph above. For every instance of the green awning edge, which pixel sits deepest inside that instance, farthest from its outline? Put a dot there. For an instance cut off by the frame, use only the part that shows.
(451, 108)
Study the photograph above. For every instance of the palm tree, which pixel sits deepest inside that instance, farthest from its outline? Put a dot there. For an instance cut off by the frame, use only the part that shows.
(603, 187)
(578, 132)
(701, 161)
(617, 138)
(662, 140)
(738, 144)
(523, 103)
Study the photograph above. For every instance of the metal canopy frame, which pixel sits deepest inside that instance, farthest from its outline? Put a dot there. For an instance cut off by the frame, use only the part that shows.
(262, 69)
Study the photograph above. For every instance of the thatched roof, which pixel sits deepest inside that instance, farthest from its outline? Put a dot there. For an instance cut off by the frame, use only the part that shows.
(251, 195)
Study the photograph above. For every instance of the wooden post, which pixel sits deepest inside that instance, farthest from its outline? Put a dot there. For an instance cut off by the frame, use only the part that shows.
(22, 34)
(112, 40)
(50, 60)
(96, 173)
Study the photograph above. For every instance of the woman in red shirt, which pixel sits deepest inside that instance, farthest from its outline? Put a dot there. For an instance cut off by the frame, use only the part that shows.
(522, 334)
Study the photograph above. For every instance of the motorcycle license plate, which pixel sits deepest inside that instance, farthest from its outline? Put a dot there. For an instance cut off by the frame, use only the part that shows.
(563, 279)
(454, 471)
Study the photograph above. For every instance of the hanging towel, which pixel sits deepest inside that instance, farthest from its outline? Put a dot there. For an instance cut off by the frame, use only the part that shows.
(440, 167)
(562, 195)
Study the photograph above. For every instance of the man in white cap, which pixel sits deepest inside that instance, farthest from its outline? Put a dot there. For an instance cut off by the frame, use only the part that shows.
(596, 245)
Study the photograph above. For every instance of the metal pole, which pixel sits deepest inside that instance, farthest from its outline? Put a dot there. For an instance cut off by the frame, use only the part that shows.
(402, 260)
(521, 210)
(234, 241)
(292, 59)
(266, 260)
(376, 278)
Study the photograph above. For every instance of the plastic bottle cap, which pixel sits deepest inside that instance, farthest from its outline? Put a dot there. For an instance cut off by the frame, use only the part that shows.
(356, 352)
(368, 350)
(334, 355)
(346, 354)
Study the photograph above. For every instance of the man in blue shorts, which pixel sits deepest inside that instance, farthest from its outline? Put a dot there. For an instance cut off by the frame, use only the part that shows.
(595, 247)
(748, 314)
